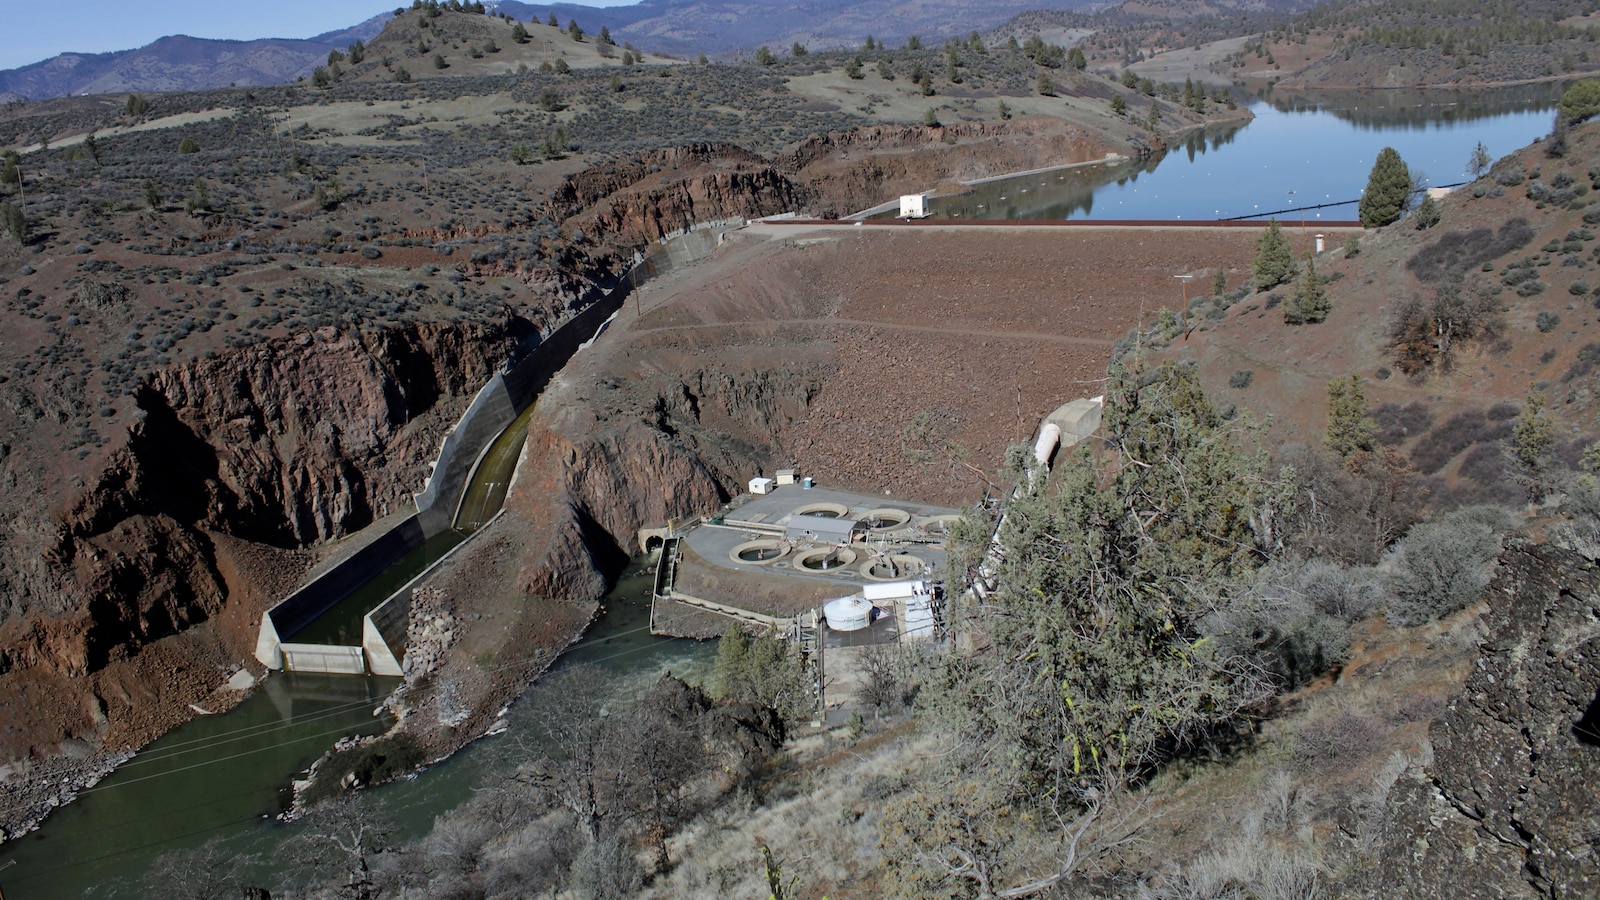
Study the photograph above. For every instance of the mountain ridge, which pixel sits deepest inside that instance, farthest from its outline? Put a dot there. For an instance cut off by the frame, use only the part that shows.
(181, 63)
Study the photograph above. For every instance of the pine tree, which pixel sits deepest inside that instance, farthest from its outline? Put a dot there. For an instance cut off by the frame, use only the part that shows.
(1274, 262)
(1388, 190)
(1427, 214)
(1532, 439)
(1480, 161)
(1350, 427)
(14, 222)
(1310, 300)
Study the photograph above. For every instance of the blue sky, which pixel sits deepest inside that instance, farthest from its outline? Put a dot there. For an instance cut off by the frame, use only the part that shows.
(34, 30)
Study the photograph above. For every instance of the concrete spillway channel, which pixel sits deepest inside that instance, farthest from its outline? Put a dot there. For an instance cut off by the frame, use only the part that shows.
(352, 619)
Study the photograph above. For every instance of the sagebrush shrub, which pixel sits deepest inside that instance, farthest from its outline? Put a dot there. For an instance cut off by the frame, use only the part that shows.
(1443, 566)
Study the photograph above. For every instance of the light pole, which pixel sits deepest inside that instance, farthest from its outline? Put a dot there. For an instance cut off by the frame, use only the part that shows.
(1183, 314)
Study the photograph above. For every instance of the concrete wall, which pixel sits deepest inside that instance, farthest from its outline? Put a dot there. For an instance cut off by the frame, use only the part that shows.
(315, 598)
(324, 658)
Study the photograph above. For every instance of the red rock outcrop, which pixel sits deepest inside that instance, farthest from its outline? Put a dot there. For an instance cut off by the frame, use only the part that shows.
(262, 450)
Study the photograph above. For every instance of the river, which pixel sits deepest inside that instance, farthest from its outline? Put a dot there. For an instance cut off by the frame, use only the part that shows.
(222, 778)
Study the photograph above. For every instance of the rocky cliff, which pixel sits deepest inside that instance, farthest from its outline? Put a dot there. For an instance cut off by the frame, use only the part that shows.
(1508, 806)
(232, 466)
(639, 199)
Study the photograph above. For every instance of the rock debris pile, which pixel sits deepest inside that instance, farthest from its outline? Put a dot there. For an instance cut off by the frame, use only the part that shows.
(430, 631)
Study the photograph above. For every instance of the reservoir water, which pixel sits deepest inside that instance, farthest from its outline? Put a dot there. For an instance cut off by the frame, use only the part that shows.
(221, 778)
(1295, 154)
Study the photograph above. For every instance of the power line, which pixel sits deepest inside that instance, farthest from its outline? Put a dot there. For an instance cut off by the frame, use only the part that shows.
(253, 817)
(1276, 212)
(225, 737)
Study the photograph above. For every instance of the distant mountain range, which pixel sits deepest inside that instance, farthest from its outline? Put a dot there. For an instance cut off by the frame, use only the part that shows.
(181, 63)
(676, 27)
(687, 27)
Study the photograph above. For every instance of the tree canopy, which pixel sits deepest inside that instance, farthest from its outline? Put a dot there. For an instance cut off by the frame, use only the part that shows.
(1274, 261)
(1089, 604)
(1581, 101)
(1388, 191)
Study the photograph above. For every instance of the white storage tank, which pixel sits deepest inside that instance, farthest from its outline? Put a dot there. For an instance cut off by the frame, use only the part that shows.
(848, 613)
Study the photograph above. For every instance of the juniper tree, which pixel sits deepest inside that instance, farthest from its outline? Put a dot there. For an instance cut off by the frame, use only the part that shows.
(1388, 190)
(1580, 102)
(14, 222)
(1095, 665)
(1274, 261)
(1427, 214)
(1532, 439)
(1480, 161)
(1310, 300)
(1350, 426)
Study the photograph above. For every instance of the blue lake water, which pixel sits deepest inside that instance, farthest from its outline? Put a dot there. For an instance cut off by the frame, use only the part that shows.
(1288, 159)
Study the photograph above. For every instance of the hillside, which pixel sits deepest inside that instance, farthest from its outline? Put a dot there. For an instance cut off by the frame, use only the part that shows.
(724, 27)
(171, 267)
(1272, 623)
(1422, 736)
(179, 63)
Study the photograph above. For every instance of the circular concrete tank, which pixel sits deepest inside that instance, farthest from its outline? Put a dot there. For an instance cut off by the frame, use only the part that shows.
(847, 614)
(761, 552)
(823, 510)
(885, 519)
(935, 524)
(825, 559)
(892, 568)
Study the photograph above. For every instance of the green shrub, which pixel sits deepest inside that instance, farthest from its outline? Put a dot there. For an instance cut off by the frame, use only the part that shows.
(1241, 379)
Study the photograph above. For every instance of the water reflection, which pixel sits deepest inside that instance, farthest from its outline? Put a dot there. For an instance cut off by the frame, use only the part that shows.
(1413, 108)
(1305, 156)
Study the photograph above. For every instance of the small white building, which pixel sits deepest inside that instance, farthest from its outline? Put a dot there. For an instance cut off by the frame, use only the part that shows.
(913, 206)
(787, 476)
(762, 485)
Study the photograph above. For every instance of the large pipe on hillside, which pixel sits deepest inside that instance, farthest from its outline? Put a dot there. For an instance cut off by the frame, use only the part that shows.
(1044, 448)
